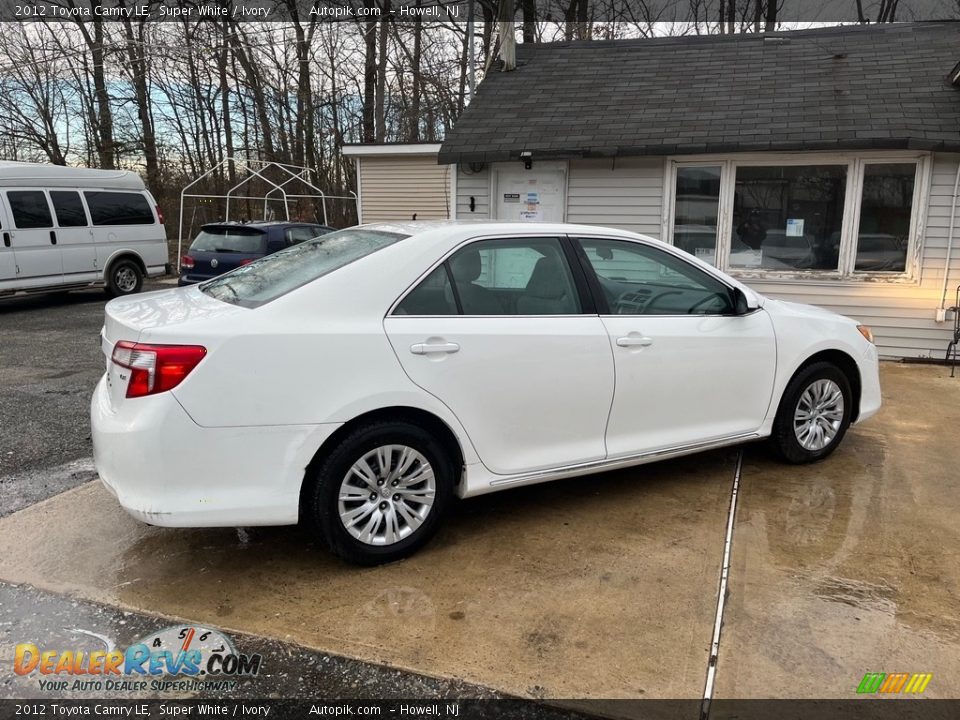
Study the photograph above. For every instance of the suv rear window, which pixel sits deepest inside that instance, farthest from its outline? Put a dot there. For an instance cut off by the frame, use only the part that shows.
(119, 208)
(274, 275)
(230, 239)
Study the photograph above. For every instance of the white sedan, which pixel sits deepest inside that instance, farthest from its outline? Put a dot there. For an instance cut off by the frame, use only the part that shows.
(361, 380)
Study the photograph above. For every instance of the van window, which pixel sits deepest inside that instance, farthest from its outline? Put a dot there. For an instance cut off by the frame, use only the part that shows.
(30, 209)
(118, 208)
(69, 208)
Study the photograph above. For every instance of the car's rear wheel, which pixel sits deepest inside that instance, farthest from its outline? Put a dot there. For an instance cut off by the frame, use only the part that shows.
(124, 278)
(814, 414)
(381, 494)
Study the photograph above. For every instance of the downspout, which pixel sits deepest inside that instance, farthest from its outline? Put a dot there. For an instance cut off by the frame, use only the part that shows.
(941, 315)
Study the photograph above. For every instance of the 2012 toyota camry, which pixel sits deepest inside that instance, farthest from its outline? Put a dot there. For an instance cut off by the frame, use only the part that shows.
(361, 380)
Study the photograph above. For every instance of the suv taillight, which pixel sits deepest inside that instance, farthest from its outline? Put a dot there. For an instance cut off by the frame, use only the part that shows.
(186, 263)
(156, 368)
(159, 214)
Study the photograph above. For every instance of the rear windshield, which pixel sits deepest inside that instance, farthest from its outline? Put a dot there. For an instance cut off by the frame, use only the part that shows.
(274, 275)
(230, 239)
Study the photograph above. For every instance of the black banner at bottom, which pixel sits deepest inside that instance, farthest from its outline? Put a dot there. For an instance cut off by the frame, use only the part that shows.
(853, 709)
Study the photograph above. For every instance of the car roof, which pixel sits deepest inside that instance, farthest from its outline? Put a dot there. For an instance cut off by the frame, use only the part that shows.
(264, 223)
(458, 230)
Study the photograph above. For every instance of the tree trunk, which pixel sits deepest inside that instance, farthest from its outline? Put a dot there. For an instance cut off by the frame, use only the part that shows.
(369, 76)
(381, 104)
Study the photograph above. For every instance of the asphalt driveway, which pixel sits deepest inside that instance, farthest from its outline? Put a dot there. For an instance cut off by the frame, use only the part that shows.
(600, 587)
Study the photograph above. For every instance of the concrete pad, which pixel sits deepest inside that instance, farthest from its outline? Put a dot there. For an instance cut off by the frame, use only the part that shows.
(852, 565)
(601, 587)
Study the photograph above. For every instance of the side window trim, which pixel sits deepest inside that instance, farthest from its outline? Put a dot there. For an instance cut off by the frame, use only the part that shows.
(600, 304)
(597, 290)
(589, 304)
(453, 287)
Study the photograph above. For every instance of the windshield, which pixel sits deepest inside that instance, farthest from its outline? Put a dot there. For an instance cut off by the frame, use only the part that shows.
(230, 239)
(274, 275)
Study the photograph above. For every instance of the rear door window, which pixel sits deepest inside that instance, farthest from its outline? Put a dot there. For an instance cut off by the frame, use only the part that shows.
(118, 208)
(69, 208)
(230, 240)
(29, 209)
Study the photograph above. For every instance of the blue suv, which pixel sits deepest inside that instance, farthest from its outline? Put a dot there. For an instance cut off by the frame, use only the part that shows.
(221, 247)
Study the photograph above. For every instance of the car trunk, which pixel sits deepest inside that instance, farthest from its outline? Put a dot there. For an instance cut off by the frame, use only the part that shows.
(174, 310)
(222, 248)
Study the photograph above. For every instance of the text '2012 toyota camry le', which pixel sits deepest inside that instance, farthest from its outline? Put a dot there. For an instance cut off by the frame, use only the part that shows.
(361, 380)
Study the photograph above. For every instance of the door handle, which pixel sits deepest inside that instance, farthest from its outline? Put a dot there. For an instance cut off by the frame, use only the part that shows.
(53, 237)
(634, 341)
(427, 348)
(6, 239)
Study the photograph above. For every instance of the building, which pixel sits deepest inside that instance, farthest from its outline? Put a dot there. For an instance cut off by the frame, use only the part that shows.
(402, 182)
(820, 166)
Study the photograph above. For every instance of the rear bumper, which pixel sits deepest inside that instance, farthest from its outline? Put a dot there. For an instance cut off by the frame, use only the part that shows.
(164, 469)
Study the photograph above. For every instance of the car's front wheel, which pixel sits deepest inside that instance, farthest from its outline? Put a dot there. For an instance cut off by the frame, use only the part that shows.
(814, 414)
(381, 494)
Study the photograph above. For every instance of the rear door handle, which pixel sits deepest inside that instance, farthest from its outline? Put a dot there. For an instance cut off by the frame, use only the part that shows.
(427, 348)
(6, 239)
(634, 341)
(53, 237)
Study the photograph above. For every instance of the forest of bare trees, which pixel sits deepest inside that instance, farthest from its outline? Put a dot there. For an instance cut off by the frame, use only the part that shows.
(173, 99)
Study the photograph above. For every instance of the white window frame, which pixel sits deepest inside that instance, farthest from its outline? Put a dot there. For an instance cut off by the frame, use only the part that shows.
(854, 162)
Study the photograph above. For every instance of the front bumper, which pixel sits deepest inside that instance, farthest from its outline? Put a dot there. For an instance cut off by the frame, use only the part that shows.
(166, 470)
(870, 400)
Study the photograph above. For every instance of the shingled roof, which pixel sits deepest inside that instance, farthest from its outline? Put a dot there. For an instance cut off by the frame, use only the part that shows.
(851, 87)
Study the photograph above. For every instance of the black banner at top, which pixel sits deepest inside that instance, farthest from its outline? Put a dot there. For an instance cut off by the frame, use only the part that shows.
(544, 11)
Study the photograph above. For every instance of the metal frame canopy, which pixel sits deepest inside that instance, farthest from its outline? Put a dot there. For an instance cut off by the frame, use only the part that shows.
(278, 189)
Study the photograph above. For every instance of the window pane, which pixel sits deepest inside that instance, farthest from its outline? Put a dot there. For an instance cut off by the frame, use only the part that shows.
(788, 218)
(885, 208)
(640, 280)
(695, 213)
(30, 209)
(119, 208)
(230, 239)
(69, 208)
(300, 234)
(514, 277)
(433, 296)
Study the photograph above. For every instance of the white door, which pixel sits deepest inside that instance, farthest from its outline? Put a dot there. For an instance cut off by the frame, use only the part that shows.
(534, 195)
(33, 238)
(74, 236)
(8, 263)
(496, 333)
(688, 369)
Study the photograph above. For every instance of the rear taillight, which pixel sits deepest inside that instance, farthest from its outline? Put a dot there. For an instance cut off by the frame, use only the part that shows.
(186, 262)
(246, 262)
(156, 368)
(159, 214)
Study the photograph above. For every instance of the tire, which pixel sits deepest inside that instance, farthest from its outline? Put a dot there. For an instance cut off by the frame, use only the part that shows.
(124, 278)
(388, 522)
(814, 388)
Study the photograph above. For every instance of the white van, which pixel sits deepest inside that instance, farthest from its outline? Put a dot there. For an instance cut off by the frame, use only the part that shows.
(69, 228)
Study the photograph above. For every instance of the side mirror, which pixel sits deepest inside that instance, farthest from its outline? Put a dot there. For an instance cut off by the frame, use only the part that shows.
(742, 304)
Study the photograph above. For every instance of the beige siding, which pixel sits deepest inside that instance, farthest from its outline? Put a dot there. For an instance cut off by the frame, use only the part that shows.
(624, 193)
(397, 187)
(903, 316)
(475, 185)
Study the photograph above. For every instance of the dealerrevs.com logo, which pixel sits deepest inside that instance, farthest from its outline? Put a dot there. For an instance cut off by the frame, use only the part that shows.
(180, 657)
